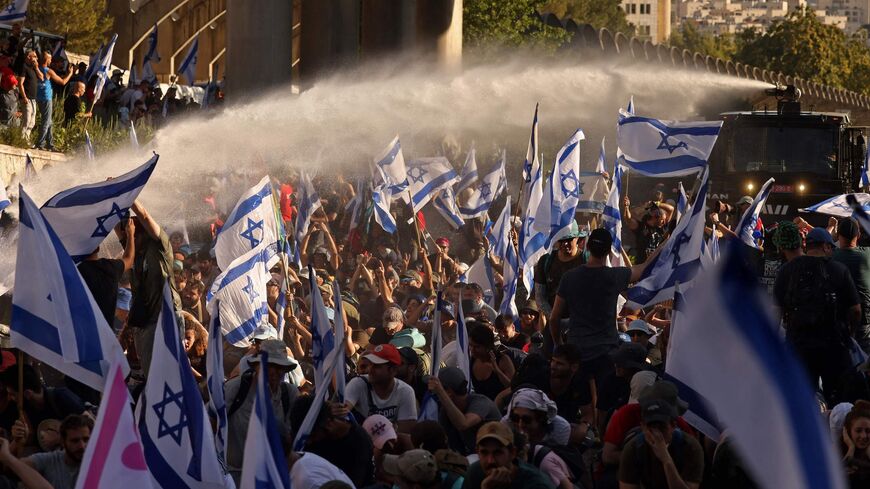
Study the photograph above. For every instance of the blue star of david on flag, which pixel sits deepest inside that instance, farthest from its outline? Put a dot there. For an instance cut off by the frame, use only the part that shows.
(664, 144)
(249, 232)
(678, 244)
(164, 428)
(571, 186)
(11, 7)
(420, 173)
(101, 231)
(485, 190)
(249, 290)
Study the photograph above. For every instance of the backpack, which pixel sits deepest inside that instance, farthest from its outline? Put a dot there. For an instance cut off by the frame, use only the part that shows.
(570, 455)
(810, 312)
(245, 386)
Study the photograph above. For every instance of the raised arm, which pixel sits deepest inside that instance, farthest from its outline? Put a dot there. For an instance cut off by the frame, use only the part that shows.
(130, 248)
(148, 222)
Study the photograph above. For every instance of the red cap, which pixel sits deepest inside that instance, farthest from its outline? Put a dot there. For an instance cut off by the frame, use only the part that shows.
(9, 360)
(384, 354)
(442, 241)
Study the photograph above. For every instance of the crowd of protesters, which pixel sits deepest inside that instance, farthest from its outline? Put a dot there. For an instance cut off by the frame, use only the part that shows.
(31, 79)
(571, 393)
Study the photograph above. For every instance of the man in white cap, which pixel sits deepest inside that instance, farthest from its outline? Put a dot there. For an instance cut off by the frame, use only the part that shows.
(241, 392)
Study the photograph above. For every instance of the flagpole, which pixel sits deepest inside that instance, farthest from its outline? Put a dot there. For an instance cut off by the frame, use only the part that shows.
(414, 217)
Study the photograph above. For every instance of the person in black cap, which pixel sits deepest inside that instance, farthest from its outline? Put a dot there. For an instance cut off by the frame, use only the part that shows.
(660, 456)
(820, 309)
(461, 413)
(857, 261)
(587, 295)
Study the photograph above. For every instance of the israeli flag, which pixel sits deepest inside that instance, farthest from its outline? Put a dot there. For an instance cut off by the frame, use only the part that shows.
(786, 444)
(131, 77)
(309, 202)
(152, 53)
(750, 229)
(89, 147)
(699, 413)
(238, 295)
(630, 109)
(179, 445)
(462, 359)
(250, 225)
(14, 12)
(390, 169)
(612, 216)
(54, 316)
(84, 216)
(682, 201)
(429, 404)
(559, 203)
(29, 169)
(469, 171)
(103, 67)
(114, 452)
(134, 139)
(665, 148)
(265, 464)
(94, 62)
(188, 66)
(534, 233)
(679, 260)
(600, 166)
(838, 207)
(865, 171)
(711, 251)
(531, 162)
(445, 204)
(381, 201)
(509, 289)
(214, 380)
(427, 177)
(4, 197)
(355, 207)
(501, 232)
(491, 186)
(339, 353)
(480, 273)
(59, 50)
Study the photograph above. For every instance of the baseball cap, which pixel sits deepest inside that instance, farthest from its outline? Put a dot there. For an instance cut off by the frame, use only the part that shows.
(848, 228)
(416, 465)
(657, 410)
(667, 391)
(380, 429)
(639, 325)
(744, 200)
(408, 337)
(393, 318)
(820, 235)
(630, 355)
(600, 237)
(382, 354)
(442, 241)
(265, 331)
(453, 378)
(495, 430)
(412, 275)
(409, 356)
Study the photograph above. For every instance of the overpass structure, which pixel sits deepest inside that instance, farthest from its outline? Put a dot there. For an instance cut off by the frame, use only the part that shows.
(596, 44)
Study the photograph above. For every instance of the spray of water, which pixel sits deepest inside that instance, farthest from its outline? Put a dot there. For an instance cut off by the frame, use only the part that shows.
(342, 121)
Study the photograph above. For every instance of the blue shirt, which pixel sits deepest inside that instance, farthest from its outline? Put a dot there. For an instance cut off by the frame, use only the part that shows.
(43, 89)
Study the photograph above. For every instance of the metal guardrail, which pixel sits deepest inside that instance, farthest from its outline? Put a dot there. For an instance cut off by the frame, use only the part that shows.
(602, 42)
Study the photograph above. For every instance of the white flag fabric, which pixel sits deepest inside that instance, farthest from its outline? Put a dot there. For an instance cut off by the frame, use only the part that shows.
(84, 216)
(427, 177)
(381, 208)
(104, 66)
(251, 224)
(750, 228)
(682, 201)
(264, 465)
(114, 453)
(786, 444)
(445, 204)
(665, 148)
(175, 430)
(238, 295)
(390, 169)
(89, 147)
(612, 216)
(54, 316)
(429, 404)
(679, 260)
(134, 139)
(214, 379)
(600, 166)
(309, 202)
(563, 191)
(838, 207)
(188, 66)
(16, 11)
(534, 234)
(491, 186)
(469, 171)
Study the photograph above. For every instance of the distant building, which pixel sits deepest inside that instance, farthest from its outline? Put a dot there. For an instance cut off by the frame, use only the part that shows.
(651, 18)
(733, 16)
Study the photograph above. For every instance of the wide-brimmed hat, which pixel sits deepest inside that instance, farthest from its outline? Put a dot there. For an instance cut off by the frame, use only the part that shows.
(277, 354)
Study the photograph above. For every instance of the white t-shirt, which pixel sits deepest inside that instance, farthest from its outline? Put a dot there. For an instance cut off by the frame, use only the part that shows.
(312, 471)
(400, 406)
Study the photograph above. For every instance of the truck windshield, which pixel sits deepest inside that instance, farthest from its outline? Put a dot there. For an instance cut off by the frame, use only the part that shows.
(783, 149)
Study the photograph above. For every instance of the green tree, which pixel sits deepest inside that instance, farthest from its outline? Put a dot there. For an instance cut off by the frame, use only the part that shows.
(688, 36)
(801, 45)
(508, 23)
(598, 13)
(85, 23)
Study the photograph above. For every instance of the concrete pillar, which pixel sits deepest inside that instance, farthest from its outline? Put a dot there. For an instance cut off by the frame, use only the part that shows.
(382, 22)
(258, 46)
(330, 36)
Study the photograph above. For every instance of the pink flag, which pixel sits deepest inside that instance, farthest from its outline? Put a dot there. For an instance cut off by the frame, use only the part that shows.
(114, 452)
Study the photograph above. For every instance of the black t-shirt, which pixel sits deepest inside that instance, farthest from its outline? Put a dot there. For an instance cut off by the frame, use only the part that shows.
(102, 277)
(71, 108)
(550, 269)
(825, 277)
(590, 294)
(569, 402)
(31, 82)
(151, 268)
(353, 454)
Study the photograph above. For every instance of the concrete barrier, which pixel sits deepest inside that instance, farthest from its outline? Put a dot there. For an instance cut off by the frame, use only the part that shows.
(13, 160)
